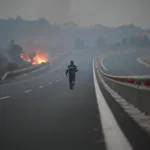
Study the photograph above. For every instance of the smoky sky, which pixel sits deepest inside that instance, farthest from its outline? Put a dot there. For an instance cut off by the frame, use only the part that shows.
(83, 12)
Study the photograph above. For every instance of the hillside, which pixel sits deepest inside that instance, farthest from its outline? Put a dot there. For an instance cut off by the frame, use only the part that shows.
(20, 29)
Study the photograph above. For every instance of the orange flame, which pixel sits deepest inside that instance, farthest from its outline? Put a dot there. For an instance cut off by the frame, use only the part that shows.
(25, 58)
(40, 57)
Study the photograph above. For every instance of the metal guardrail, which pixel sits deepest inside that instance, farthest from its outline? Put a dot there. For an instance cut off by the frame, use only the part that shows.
(24, 70)
(143, 81)
(135, 89)
(10, 74)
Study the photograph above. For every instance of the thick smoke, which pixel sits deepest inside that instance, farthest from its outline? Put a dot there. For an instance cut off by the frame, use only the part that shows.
(53, 10)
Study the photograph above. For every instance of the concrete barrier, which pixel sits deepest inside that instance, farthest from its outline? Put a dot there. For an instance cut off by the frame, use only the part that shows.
(139, 98)
(142, 82)
(11, 74)
(135, 89)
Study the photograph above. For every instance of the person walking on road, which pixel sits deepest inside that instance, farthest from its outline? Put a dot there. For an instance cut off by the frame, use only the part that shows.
(71, 70)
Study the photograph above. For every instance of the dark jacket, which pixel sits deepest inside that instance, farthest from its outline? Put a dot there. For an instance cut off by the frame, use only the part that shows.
(71, 69)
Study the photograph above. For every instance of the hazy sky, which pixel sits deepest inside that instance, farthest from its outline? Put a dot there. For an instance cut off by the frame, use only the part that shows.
(83, 12)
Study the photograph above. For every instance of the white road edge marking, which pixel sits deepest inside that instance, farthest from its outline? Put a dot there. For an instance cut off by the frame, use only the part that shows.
(41, 86)
(56, 67)
(140, 61)
(114, 137)
(102, 63)
(27, 91)
(102, 60)
(6, 97)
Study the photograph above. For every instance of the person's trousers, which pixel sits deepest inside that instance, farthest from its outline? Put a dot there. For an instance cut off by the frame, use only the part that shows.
(72, 78)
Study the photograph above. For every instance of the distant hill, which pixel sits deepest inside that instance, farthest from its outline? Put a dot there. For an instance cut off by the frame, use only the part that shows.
(69, 24)
(19, 28)
(128, 30)
(114, 34)
(46, 34)
(111, 34)
(101, 26)
(124, 30)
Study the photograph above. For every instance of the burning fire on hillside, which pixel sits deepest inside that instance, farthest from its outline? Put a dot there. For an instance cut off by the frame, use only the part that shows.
(36, 58)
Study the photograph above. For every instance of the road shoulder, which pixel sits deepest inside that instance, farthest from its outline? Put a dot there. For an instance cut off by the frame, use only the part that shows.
(138, 137)
(110, 126)
(144, 60)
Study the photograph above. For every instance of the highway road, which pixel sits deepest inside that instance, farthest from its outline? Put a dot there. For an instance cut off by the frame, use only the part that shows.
(41, 112)
(125, 64)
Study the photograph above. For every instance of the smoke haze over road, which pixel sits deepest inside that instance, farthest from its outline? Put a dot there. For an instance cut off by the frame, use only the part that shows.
(83, 12)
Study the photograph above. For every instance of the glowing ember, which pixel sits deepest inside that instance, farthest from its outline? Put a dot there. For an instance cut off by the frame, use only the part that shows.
(37, 58)
(25, 58)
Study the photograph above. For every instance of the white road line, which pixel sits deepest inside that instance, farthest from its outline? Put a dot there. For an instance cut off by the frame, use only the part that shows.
(110, 55)
(41, 86)
(48, 71)
(56, 68)
(22, 81)
(6, 97)
(50, 83)
(140, 61)
(114, 137)
(102, 63)
(27, 91)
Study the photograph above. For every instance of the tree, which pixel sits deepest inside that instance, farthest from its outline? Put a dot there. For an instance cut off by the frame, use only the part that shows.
(44, 21)
(3, 60)
(18, 18)
(15, 51)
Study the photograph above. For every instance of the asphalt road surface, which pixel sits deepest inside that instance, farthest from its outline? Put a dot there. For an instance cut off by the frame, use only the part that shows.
(43, 113)
(125, 64)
